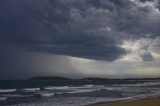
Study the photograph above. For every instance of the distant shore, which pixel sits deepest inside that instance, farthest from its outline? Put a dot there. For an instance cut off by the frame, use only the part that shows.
(89, 78)
(154, 101)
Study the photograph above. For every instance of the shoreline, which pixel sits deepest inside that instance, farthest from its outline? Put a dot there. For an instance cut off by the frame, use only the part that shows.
(148, 101)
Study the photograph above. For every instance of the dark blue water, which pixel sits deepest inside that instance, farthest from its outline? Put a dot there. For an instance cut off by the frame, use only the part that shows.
(72, 92)
(17, 84)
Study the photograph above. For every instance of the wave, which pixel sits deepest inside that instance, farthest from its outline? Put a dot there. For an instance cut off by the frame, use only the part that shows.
(3, 98)
(72, 87)
(57, 88)
(7, 90)
(151, 84)
(82, 91)
(65, 87)
(46, 94)
(116, 88)
(88, 86)
(31, 89)
(12, 95)
(141, 84)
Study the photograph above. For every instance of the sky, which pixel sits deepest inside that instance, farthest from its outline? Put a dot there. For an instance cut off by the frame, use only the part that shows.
(79, 38)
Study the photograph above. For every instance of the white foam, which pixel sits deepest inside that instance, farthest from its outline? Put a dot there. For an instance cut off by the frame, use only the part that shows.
(57, 88)
(88, 85)
(2, 98)
(110, 88)
(116, 88)
(82, 91)
(142, 84)
(31, 89)
(7, 90)
(47, 94)
(151, 83)
(68, 88)
(93, 86)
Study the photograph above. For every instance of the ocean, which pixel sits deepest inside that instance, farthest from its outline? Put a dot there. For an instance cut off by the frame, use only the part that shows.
(73, 92)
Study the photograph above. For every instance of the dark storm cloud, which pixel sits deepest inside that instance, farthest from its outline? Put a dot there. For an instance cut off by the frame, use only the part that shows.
(91, 29)
(146, 0)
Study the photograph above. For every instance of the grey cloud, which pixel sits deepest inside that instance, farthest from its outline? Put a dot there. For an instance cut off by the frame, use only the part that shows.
(75, 28)
(146, 0)
(16, 63)
(147, 57)
(33, 31)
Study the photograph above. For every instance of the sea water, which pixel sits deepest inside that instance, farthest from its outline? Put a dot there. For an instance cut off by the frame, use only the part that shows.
(73, 92)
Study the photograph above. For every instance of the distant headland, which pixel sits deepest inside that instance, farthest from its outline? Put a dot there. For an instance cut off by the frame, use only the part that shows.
(88, 78)
(49, 78)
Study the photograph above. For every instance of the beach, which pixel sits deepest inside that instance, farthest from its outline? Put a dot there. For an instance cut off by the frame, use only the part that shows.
(154, 101)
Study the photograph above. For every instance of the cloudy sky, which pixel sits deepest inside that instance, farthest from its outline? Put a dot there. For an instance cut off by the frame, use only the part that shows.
(79, 38)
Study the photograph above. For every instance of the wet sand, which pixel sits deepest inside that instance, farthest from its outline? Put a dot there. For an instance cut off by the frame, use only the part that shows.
(155, 101)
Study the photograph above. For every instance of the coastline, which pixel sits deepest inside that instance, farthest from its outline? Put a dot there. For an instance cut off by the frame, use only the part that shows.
(150, 101)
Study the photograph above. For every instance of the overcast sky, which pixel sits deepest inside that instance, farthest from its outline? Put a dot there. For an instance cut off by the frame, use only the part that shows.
(79, 38)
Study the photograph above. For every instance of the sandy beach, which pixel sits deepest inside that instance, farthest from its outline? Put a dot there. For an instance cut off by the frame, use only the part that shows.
(140, 102)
